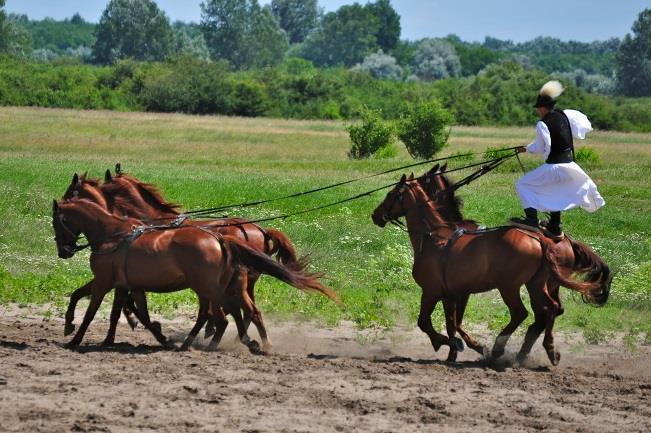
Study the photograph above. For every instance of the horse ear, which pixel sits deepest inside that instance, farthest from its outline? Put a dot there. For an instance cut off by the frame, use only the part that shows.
(444, 167)
(75, 179)
(55, 206)
(411, 176)
(107, 176)
(403, 178)
(118, 168)
(433, 169)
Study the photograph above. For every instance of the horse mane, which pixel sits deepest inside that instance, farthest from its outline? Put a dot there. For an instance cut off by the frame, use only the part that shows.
(89, 180)
(452, 202)
(151, 194)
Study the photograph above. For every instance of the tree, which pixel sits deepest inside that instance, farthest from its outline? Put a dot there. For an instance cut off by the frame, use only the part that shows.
(344, 38)
(435, 59)
(634, 58)
(4, 28)
(425, 128)
(242, 32)
(135, 29)
(381, 65)
(297, 17)
(388, 33)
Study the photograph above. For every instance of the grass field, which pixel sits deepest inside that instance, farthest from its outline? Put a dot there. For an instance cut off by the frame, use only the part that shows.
(207, 161)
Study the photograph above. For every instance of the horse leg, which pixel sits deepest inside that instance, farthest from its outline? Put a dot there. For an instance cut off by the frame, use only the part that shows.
(427, 303)
(202, 316)
(252, 278)
(239, 286)
(81, 292)
(462, 302)
(97, 293)
(129, 314)
(518, 312)
(118, 303)
(553, 310)
(221, 322)
(450, 308)
(141, 306)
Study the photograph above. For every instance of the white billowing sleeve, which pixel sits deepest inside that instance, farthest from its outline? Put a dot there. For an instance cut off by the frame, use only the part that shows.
(543, 142)
(579, 123)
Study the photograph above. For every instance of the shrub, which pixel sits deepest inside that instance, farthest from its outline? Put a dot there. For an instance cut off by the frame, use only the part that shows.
(424, 128)
(370, 135)
(587, 156)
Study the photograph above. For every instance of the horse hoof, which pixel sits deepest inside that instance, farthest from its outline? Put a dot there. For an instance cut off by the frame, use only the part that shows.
(254, 348)
(133, 323)
(452, 356)
(520, 358)
(68, 329)
(108, 343)
(495, 354)
(155, 326)
(457, 344)
(554, 357)
(71, 344)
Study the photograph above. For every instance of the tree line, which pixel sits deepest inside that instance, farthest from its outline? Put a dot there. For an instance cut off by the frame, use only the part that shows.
(241, 38)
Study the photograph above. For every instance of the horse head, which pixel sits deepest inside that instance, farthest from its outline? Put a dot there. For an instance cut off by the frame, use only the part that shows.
(397, 202)
(83, 187)
(65, 234)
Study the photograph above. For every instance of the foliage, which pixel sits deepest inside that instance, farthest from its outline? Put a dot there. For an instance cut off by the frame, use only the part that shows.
(189, 41)
(135, 29)
(388, 31)
(297, 17)
(424, 128)
(4, 28)
(634, 58)
(473, 57)
(60, 36)
(381, 66)
(242, 33)
(591, 83)
(587, 156)
(370, 135)
(344, 37)
(435, 59)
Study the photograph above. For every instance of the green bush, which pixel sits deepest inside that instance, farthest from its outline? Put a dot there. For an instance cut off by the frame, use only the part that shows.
(425, 128)
(587, 156)
(369, 135)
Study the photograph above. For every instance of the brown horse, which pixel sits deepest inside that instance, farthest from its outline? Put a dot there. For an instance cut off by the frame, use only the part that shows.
(164, 261)
(449, 266)
(125, 195)
(572, 256)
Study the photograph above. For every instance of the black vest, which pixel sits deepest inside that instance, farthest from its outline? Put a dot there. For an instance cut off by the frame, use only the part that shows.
(560, 132)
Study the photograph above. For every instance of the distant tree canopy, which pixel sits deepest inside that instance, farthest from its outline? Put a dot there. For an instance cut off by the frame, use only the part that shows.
(135, 29)
(242, 33)
(297, 17)
(4, 29)
(435, 59)
(634, 58)
(350, 33)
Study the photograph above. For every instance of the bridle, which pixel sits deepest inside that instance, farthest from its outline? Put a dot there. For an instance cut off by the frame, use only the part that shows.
(71, 249)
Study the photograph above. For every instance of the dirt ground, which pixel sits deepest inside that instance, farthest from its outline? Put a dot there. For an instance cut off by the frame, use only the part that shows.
(316, 380)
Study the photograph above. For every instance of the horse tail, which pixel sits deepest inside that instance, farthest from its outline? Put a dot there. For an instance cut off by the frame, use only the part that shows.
(595, 287)
(294, 275)
(282, 247)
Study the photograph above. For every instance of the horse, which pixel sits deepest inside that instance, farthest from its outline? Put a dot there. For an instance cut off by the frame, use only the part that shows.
(572, 255)
(125, 195)
(449, 268)
(163, 260)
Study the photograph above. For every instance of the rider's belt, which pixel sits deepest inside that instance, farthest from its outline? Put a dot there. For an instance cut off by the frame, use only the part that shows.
(561, 157)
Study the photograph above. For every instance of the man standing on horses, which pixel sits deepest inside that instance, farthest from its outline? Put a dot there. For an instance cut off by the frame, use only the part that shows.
(559, 184)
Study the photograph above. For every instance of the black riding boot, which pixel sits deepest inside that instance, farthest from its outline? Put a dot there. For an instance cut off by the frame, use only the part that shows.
(530, 219)
(553, 226)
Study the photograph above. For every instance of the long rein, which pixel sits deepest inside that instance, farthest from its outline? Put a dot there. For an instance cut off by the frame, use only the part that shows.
(486, 166)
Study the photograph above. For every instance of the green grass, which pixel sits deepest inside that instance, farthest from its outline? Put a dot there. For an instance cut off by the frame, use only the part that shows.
(205, 161)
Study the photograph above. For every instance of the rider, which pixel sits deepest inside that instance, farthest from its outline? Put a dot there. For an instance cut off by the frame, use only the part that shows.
(559, 184)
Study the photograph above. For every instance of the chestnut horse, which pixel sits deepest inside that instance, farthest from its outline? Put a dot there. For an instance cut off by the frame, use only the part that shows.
(125, 195)
(450, 266)
(163, 260)
(572, 256)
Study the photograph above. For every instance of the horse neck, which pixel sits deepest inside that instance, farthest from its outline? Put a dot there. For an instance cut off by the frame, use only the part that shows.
(423, 219)
(97, 224)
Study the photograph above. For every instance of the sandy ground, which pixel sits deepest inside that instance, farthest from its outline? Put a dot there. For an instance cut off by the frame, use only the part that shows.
(316, 380)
